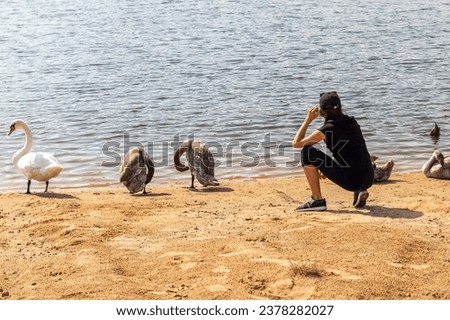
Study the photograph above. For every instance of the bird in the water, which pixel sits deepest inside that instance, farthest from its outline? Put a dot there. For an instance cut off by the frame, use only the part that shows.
(39, 166)
(381, 173)
(200, 162)
(436, 131)
(437, 166)
(136, 170)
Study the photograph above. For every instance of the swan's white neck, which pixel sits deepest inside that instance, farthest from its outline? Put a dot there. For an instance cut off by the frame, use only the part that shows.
(429, 164)
(27, 147)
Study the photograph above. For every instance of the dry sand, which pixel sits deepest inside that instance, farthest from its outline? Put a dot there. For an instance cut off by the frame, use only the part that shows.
(241, 240)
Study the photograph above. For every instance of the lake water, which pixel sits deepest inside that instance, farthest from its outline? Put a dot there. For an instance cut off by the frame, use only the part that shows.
(88, 76)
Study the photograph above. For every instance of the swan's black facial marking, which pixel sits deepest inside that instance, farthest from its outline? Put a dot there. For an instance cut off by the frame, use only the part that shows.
(12, 128)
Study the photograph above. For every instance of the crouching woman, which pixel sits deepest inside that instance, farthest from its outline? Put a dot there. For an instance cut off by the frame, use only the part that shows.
(350, 167)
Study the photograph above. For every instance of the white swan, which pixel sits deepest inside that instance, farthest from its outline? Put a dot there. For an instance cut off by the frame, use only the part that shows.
(136, 170)
(39, 166)
(437, 166)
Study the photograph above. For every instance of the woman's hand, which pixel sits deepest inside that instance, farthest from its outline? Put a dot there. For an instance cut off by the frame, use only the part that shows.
(313, 113)
(299, 140)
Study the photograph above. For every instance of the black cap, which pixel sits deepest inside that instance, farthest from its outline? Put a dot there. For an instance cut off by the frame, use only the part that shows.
(329, 100)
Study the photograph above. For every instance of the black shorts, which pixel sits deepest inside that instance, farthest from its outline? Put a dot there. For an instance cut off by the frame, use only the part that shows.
(351, 179)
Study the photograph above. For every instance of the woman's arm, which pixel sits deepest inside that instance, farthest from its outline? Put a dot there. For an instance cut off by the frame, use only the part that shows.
(299, 140)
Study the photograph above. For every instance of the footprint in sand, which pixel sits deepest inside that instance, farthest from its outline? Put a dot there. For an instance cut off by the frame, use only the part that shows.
(344, 275)
(221, 269)
(222, 276)
(181, 256)
(281, 262)
(411, 266)
(217, 288)
(286, 288)
(188, 265)
(87, 258)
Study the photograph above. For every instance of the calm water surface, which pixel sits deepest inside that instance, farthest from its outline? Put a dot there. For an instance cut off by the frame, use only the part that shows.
(90, 75)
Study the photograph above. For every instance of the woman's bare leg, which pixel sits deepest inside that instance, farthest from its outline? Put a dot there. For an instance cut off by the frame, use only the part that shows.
(312, 175)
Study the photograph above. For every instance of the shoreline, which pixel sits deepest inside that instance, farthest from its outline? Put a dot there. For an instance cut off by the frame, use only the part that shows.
(240, 240)
(178, 180)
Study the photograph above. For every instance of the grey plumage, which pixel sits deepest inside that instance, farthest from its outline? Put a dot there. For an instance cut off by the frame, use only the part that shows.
(381, 173)
(200, 162)
(136, 170)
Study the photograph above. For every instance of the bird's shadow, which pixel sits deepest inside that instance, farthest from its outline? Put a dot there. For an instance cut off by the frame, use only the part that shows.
(151, 194)
(384, 212)
(52, 195)
(211, 189)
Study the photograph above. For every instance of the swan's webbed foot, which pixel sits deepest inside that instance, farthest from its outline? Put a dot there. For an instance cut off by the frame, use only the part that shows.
(145, 191)
(192, 187)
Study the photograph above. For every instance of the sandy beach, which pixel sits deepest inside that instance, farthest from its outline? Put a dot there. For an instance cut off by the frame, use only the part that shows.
(241, 240)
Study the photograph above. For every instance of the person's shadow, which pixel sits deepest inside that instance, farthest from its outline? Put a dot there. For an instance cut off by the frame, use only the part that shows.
(390, 181)
(384, 212)
(393, 213)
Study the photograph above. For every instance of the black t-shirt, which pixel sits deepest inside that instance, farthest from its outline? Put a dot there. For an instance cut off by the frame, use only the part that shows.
(344, 139)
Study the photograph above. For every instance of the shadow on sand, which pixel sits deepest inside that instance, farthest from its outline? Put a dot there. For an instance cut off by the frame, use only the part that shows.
(384, 212)
(211, 189)
(151, 194)
(390, 181)
(393, 213)
(51, 195)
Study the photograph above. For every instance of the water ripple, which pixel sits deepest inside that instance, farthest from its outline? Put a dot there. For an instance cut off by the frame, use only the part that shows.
(85, 75)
